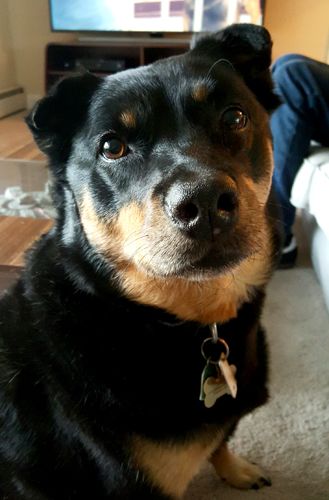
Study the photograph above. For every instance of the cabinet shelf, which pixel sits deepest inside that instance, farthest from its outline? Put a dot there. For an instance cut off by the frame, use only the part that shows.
(105, 58)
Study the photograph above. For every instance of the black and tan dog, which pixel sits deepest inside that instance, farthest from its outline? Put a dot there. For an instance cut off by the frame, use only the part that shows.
(162, 179)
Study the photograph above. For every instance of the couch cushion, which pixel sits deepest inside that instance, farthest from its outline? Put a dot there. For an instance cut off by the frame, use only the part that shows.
(311, 187)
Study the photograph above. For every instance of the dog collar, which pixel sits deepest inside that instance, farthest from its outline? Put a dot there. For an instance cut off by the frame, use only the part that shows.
(218, 376)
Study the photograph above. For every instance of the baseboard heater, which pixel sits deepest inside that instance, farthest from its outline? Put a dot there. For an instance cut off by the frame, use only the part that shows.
(11, 101)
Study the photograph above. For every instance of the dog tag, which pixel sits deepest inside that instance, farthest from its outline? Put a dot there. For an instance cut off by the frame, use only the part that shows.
(209, 371)
(214, 388)
(218, 377)
(228, 372)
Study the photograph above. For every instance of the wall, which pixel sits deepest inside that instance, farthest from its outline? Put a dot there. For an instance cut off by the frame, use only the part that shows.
(30, 33)
(7, 64)
(299, 26)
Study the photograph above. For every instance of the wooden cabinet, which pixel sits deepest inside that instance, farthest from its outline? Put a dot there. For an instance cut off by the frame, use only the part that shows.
(106, 57)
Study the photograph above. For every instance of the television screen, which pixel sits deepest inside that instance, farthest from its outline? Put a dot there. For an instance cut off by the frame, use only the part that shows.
(152, 15)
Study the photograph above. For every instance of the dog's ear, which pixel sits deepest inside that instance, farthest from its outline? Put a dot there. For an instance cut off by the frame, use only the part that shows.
(55, 118)
(248, 48)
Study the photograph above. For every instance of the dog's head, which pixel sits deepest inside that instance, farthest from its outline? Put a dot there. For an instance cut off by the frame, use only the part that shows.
(166, 169)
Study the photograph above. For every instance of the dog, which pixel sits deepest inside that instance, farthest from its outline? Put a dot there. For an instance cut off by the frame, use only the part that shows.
(131, 344)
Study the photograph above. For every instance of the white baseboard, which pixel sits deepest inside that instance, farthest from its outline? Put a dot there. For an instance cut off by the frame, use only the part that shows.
(11, 101)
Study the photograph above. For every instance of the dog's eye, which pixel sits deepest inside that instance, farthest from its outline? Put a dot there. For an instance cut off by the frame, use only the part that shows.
(234, 119)
(113, 148)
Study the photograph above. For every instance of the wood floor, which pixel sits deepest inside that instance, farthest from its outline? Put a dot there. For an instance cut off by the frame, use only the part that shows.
(17, 234)
(16, 141)
(21, 163)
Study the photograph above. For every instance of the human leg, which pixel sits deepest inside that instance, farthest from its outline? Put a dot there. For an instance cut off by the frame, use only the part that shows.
(303, 85)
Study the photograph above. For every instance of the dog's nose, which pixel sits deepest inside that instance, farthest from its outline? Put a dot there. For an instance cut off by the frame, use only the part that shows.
(204, 211)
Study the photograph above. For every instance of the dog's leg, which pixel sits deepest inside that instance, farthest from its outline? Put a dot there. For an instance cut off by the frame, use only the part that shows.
(237, 471)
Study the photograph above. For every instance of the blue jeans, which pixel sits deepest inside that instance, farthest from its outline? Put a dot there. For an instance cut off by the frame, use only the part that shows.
(303, 86)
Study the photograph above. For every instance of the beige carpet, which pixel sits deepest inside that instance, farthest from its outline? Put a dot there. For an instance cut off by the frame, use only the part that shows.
(289, 436)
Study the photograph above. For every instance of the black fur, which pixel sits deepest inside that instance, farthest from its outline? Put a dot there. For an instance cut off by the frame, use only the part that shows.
(83, 367)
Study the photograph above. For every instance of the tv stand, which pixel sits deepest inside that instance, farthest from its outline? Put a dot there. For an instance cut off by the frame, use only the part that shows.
(156, 34)
(107, 56)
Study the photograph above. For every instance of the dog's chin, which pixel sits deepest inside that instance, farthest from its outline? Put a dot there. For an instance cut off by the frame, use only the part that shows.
(208, 267)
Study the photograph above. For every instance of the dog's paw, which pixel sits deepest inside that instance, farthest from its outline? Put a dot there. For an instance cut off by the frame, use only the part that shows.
(242, 474)
(237, 471)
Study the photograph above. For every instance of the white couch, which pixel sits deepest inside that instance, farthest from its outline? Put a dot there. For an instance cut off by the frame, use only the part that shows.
(310, 193)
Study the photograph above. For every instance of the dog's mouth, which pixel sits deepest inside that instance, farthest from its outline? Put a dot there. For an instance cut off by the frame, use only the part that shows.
(201, 282)
(213, 263)
(177, 255)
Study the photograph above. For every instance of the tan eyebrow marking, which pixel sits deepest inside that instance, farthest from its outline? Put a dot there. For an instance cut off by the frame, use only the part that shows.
(128, 119)
(200, 92)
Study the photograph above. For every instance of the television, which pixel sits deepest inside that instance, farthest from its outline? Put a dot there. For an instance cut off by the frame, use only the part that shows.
(155, 17)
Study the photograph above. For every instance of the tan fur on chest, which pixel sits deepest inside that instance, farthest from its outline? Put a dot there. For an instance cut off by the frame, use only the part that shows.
(171, 467)
(207, 301)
